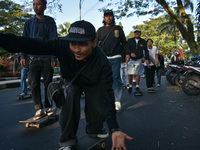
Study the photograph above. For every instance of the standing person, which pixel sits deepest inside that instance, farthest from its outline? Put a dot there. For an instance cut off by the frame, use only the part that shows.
(137, 45)
(73, 52)
(160, 69)
(111, 38)
(151, 67)
(24, 70)
(40, 26)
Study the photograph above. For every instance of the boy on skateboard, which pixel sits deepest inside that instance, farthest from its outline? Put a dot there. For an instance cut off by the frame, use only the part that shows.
(74, 51)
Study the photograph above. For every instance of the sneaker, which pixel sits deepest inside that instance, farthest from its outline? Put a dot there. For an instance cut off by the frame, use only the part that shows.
(66, 148)
(130, 89)
(158, 85)
(152, 89)
(148, 90)
(103, 134)
(39, 114)
(137, 92)
(118, 106)
(49, 110)
(22, 94)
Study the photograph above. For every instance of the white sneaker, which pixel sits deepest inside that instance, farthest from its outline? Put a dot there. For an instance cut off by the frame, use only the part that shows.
(118, 106)
(158, 85)
(39, 114)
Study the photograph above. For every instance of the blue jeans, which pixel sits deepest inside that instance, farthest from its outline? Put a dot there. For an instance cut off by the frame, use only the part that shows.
(24, 72)
(117, 82)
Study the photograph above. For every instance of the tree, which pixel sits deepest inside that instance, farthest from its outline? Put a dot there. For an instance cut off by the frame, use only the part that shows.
(142, 7)
(63, 29)
(12, 18)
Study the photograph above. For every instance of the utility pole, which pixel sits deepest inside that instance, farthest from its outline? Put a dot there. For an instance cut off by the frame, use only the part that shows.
(80, 9)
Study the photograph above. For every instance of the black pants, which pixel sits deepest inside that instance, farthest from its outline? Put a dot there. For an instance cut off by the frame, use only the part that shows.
(159, 71)
(37, 67)
(70, 114)
(150, 73)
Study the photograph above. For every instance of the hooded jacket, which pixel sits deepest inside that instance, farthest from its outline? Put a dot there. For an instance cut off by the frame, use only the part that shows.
(139, 49)
(97, 72)
(40, 28)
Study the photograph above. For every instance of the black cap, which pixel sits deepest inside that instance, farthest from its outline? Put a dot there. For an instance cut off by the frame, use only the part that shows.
(108, 11)
(81, 31)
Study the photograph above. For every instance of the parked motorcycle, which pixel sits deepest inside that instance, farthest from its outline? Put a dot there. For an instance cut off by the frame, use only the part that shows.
(180, 75)
(191, 83)
(170, 74)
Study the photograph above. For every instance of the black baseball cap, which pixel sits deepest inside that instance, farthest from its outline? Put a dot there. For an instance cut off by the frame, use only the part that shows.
(81, 31)
(108, 11)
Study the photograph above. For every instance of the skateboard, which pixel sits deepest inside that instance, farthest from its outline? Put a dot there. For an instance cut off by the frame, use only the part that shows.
(25, 96)
(37, 123)
(86, 142)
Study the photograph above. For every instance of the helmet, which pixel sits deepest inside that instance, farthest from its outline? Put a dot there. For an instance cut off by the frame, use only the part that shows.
(176, 53)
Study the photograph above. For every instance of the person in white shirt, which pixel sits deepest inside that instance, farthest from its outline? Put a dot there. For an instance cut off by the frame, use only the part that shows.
(151, 67)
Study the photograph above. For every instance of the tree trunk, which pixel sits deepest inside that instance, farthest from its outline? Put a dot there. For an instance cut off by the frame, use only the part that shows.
(188, 34)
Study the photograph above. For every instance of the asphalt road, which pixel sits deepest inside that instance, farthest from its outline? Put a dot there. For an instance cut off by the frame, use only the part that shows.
(166, 120)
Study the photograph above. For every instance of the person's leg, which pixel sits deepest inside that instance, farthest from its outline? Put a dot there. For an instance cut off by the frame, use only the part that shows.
(23, 81)
(117, 83)
(93, 109)
(148, 77)
(35, 74)
(47, 77)
(70, 116)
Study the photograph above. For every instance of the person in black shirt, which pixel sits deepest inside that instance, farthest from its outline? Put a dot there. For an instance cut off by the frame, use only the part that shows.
(160, 69)
(73, 52)
(138, 48)
(112, 40)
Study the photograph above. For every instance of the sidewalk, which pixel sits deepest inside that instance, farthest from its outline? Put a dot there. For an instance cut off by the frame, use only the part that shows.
(16, 83)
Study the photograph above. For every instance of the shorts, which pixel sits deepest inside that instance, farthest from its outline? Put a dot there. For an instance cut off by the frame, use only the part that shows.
(135, 67)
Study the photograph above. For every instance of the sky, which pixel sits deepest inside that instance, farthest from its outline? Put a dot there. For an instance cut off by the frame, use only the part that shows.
(90, 12)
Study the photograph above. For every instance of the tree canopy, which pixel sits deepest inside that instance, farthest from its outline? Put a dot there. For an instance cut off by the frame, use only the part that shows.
(12, 19)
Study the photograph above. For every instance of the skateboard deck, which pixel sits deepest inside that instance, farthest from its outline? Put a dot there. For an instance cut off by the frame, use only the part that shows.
(37, 123)
(86, 142)
(25, 96)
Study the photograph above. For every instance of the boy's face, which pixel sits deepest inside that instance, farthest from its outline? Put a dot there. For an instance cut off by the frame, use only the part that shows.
(137, 34)
(108, 18)
(82, 50)
(149, 43)
(38, 7)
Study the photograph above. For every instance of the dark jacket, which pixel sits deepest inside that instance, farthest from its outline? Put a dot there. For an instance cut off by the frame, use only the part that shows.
(116, 41)
(139, 50)
(37, 28)
(97, 72)
(161, 60)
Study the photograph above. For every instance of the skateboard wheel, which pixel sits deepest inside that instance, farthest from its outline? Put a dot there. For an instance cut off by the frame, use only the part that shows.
(38, 126)
(27, 125)
(103, 145)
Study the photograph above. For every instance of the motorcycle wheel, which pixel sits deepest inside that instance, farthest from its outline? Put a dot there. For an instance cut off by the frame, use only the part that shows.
(189, 89)
(169, 78)
(178, 81)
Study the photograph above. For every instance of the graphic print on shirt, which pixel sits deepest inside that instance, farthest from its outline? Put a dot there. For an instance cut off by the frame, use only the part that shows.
(116, 32)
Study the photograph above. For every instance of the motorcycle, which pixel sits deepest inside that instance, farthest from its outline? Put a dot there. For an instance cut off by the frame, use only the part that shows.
(180, 75)
(191, 83)
(170, 73)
